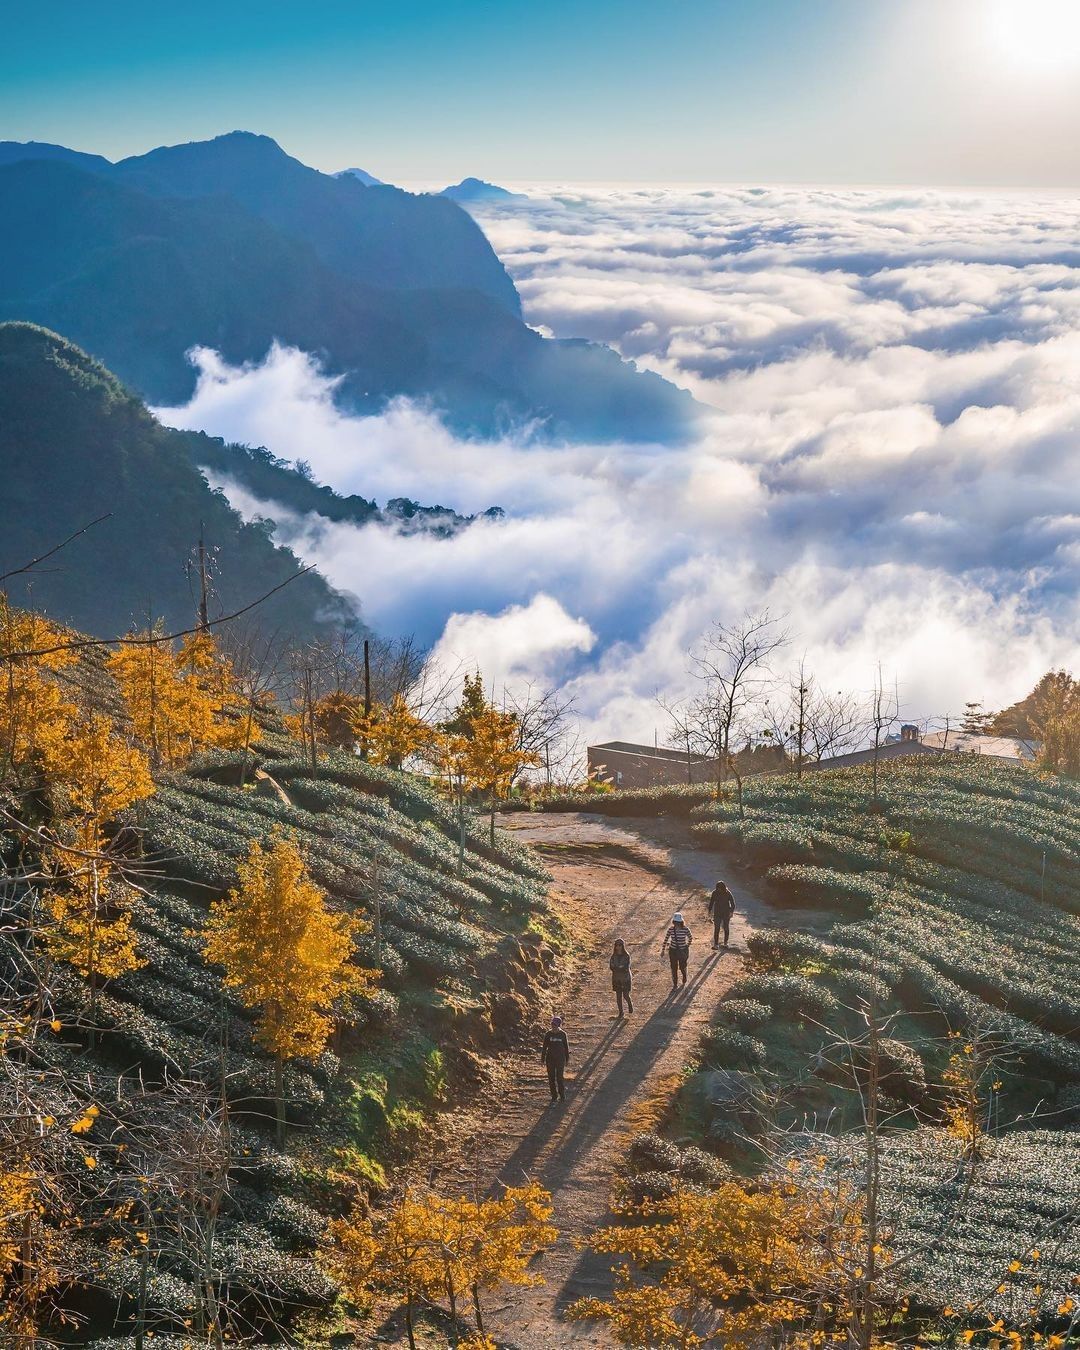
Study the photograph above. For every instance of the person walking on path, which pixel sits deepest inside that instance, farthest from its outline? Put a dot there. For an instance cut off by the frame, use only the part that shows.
(621, 978)
(677, 942)
(555, 1056)
(721, 907)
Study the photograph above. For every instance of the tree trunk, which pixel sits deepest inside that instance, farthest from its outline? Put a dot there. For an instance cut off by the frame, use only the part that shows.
(409, 1322)
(140, 1307)
(492, 817)
(461, 832)
(478, 1310)
(279, 1099)
(451, 1295)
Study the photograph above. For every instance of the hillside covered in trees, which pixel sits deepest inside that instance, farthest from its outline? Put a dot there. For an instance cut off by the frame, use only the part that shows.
(77, 447)
(214, 939)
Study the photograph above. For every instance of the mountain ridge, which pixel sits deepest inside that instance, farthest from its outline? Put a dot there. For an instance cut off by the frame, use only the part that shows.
(145, 260)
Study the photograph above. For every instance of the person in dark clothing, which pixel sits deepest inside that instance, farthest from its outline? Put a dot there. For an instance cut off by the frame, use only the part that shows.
(621, 978)
(677, 942)
(721, 907)
(555, 1056)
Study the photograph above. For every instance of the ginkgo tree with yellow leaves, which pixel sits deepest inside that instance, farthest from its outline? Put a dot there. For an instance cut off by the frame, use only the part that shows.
(288, 956)
(780, 1260)
(431, 1247)
(392, 733)
(480, 750)
(97, 775)
(178, 699)
(34, 714)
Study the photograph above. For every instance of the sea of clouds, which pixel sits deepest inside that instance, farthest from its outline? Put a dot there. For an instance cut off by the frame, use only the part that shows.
(890, 456)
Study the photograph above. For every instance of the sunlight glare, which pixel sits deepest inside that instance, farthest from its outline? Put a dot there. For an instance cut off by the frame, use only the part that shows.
(1037, 35)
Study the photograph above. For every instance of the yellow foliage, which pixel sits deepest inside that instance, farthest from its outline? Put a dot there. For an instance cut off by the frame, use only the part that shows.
(34, 714)
(392, 733)
(29, 1251)
(99, 773)
(494, 756)
(285, 953)
(431, 1246)
(90, 911)
(177, 700)
(335, 715)
(724, 1267)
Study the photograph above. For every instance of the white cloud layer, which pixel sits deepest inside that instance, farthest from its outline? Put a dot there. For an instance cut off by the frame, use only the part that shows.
(892, 458)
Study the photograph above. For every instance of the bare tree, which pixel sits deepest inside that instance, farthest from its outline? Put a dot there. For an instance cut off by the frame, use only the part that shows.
(257, 660)
(884, 710)
(731, 666)
(547, 729)
(810, 724)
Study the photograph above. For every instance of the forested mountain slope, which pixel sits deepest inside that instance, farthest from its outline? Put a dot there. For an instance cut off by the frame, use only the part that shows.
(231, 244)
(76, 445)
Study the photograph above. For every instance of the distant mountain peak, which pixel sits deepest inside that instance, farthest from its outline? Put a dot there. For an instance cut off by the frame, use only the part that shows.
(476, 190)
(14, 152)
(361, 176)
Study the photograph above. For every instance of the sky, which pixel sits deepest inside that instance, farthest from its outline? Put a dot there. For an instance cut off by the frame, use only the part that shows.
(927, 92)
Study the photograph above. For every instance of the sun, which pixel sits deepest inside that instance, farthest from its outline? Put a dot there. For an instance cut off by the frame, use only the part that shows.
(1036, 35)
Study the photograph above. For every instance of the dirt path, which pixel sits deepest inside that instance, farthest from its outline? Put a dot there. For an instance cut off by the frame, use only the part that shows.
(616, 879)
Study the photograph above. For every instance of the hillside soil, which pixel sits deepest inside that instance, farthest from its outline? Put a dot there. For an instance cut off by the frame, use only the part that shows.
(612, 879)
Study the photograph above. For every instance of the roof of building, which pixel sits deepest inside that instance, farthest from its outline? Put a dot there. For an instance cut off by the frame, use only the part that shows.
(648, 752)
(889, 750)
(997, 747)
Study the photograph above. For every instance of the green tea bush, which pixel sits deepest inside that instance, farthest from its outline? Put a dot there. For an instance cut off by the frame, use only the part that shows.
(783, 949)
(791, 995)
(744, 1013)
(723, 1047)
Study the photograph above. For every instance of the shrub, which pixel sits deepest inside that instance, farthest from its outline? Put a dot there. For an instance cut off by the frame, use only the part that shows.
(792, 994)
(702, 1169)
(725, 1048)
(781, 948)
(643, 1186)
(744, 1013)
(653, 1153)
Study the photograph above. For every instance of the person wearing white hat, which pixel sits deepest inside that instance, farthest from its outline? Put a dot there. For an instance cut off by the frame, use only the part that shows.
(677, 942)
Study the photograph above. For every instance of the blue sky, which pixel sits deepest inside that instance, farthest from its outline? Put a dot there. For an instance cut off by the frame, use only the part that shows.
(840, 91)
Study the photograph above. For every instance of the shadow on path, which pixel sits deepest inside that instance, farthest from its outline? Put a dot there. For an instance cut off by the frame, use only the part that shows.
(630, 1064)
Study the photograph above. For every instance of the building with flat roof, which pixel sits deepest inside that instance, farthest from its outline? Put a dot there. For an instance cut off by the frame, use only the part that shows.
(626, 765)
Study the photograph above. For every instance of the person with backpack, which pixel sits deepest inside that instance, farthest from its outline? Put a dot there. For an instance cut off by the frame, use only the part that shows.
(621, 978)
(555, 1056)
(721, 907)
(677, 942)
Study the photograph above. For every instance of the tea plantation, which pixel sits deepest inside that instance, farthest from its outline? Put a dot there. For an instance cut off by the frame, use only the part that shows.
(464, 955)
(950, 902)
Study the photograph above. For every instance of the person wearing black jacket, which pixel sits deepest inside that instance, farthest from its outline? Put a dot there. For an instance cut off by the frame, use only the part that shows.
(622, 980)
(555, 1056)
(721, 907)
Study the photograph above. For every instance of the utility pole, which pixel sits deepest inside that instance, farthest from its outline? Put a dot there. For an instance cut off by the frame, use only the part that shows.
(204, 610)
(367, 696)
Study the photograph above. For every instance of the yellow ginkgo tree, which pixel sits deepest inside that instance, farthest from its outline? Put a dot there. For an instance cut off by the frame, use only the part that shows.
(178, 700)
(430, 1247)
(286, 953)
(95, 775)
(392, 733)
(34, 714)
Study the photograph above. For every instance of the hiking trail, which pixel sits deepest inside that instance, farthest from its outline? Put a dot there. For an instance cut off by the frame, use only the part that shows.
(614, 878)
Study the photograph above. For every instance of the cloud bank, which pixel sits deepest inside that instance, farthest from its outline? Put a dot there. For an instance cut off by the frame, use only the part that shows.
(891, 458)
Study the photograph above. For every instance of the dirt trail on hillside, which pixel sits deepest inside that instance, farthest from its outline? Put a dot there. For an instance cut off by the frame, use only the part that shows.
(614, 879)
